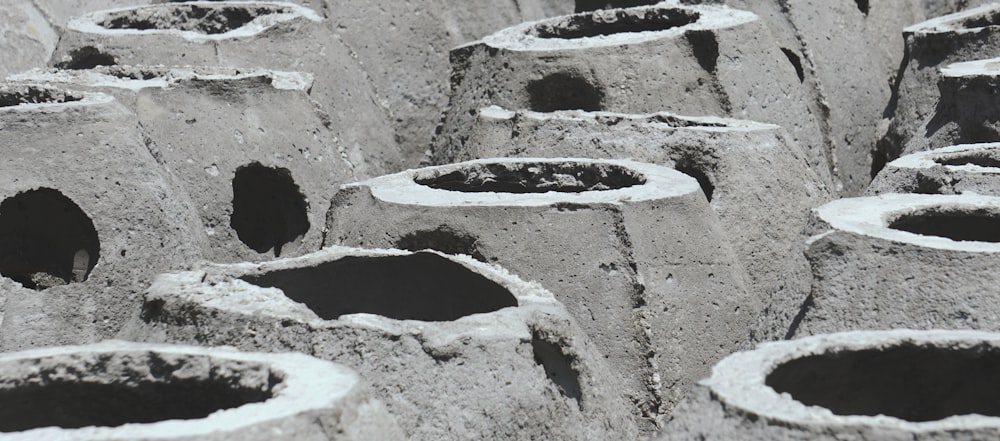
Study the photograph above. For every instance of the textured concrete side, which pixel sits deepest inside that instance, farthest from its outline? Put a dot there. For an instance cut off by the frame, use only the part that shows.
(973, 168)
(26, 37)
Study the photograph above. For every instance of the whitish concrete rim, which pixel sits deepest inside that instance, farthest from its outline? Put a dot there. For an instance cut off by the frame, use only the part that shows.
(739, 379)
(519, 38)
(948, 23)
(400, 188)
(989, 67)
(700, 123)
(309, 384)
(86, 99)
(167, 77)
(927, 159)
(88, 23)
(870, 216)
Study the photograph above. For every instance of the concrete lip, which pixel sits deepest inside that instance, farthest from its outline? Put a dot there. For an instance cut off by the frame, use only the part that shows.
(968, 158)
(45, 98)
(135, 78)
(185, 393)
(957, 169)
(967, 21)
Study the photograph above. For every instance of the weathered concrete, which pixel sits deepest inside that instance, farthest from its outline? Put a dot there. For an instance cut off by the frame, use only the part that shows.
(128, 391)
(248, 146)
(852, 386)
(270, 35)
(692, 60)
(763, 214)
(87, 217)
(26, 37)
(957, 169)
(903, 261)
(632, 249)
(456, 348)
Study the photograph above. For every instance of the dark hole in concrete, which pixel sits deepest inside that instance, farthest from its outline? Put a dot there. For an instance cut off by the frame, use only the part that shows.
(862, 6)
(57, 396)
(991, 18)
(615, 21)
(185, 17)
(46, 240)
(558, 367)
(87, 57)
(982, 159)
(269, 211)
(444, 239)
(420, 286)
(542, 177)
(15, 96)
(593, 5)
(972, 225)
(705, 48)
(796, 63)
(707, 187)
(563, 91)
(914, 383)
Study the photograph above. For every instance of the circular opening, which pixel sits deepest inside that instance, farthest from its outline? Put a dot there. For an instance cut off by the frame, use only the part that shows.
(87, 57)
(969, 225)
(269, 211)
(420, 286)
(46, 240)
(185, 17)
(914, 383)
(980, 158)
(615, 21)
(535, 178)
(564, 91)
(10, 97)
(113, 389)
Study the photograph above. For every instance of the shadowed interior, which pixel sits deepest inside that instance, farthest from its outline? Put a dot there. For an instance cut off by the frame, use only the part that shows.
(563, 91)
(969, 225)
(524, 177)
(185, 17)
(34, 95)
(269, 210)
(615, 21)
(981, 158)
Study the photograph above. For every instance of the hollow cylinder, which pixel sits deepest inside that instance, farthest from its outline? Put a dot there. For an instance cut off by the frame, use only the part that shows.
(129, 391)
(909, 261)
(456, 348)
(850, 386)
(973, 168)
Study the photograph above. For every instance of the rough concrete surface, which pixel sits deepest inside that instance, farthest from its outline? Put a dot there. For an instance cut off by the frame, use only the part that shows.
(86, 217)
(692, 60)
(129, 391)
(632, 249)
(456, 348)
(26, 37)
(903, 261)
(851, 386)
(956, 169)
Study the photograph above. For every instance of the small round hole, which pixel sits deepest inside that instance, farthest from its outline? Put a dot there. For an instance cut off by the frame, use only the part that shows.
(563, 91)
(269, 210)
(534, 178)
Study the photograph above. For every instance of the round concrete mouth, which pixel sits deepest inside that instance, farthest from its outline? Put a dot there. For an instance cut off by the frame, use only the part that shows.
(16, 96)
(916, 383)
(980, 157)
(614, 21)
(540, 177)
(115, 388)
(979, 225)
(420, 286)
(201, 18)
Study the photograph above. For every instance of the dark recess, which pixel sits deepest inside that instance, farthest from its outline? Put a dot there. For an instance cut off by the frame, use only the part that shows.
(269, 210)
(564, 91)
(534, 178)
(444, 239)
(558, 367)
(87, 57)
(796, 62)
(971, 225)
(707, 187)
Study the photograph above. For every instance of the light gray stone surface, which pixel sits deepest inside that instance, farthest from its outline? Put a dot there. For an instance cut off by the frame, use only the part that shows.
(87, 215)
(903, 261)
(956, 169)
(762, 213)
(456, 348)
(851, 386)
(692, 60)
(632, 249)
(26, 37)
(129, 391)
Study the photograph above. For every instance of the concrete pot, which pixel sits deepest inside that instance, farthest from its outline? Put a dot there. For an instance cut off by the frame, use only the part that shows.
(973, 168)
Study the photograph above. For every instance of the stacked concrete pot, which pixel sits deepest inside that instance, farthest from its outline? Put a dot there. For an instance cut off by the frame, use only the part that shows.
(956, 169)
(129, 391)
(87, 217)
(456, 348)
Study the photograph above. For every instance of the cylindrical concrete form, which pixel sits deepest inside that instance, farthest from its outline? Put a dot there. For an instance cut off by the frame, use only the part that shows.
(269, 35)
(248, 147)
(28, 38)
(968, 35)
(87, 217)
(903, 261)
(456, 348)
(973, 168)
(128, 391)
(763, 214)
(688, 59)
(632, 249)
(851, 386)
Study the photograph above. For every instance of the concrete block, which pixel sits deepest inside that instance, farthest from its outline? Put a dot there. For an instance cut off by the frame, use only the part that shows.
(631, 249)
(687, 59)
(269, 35)
(128, 391)
(903, 261)
(456, 348)
(851, 386)
(762, 214)
(248, 147)
(957, 169)
(87, 217)
(28, 38)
